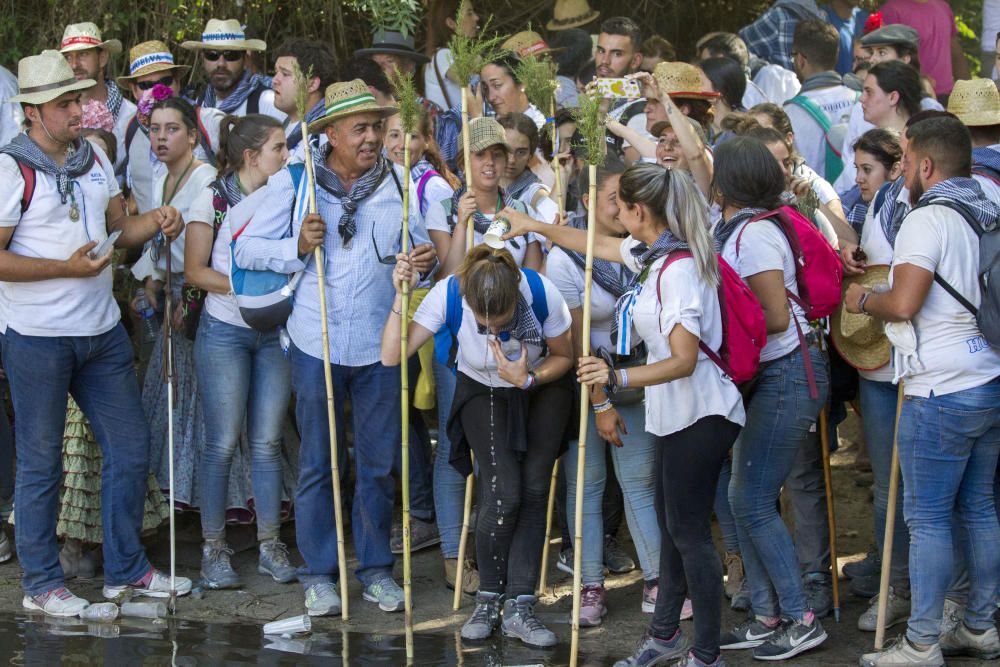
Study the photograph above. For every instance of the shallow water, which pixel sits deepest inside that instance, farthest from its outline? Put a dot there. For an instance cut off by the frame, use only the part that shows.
(37, 640)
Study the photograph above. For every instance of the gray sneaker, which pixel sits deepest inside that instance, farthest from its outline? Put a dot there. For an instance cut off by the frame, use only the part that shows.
(902, 653)
(963, 641)
(323, 600)
(386, 593)
(274, 561)
(485, 617)
(423, 534)
(693, 661)
(951, 616)
(615, 558)
(897, 610)
(519, 621)
(216, 570)
(5, 551)
(819, 593)
(652, 651)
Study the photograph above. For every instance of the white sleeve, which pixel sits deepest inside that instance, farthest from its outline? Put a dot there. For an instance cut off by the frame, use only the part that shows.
(566, 276)
(437, 216)
(680, 298)
(267, 106)
(559, 320)
(433, 309)
(919, 241)
(436, 191)
(762, 248)
(547, 210)
(201, 208)
(626, 250)
(11, 191)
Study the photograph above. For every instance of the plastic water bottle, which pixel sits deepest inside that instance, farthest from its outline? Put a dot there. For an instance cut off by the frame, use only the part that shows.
(103, 612)
(144, 609)
(284, 340)
(511, 348)
(148, 316)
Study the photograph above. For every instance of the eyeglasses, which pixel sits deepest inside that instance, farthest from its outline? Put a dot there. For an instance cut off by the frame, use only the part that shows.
(148, 85)
(391, 259)
(230, 56)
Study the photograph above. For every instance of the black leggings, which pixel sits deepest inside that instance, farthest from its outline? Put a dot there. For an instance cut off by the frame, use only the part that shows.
(688, 464)
(513, 495)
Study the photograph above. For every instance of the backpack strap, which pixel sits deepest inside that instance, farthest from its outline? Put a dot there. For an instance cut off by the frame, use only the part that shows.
(709, 352)
(979, 231)
(833, 160)
(28, 174)
(253, 100)
(440, 80)
(130, 130)
(453, 312)
(422, 186)
(539, 303)
(203, 139)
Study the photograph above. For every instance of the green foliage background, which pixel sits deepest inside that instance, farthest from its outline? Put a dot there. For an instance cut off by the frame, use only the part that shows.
(28, 26)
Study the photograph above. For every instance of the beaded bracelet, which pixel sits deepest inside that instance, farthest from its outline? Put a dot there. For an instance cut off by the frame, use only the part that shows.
(603, 406)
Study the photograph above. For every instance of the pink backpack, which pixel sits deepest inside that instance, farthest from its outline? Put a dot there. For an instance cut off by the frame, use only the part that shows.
(744, 332)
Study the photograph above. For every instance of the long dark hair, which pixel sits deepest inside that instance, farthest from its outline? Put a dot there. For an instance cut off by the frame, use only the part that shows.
(747, 175)
(895, 76)
(728, 78)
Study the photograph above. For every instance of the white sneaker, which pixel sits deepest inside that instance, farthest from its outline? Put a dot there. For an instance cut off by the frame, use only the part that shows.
(962, 641)
(57, 602)
(155, 585)
(897, 610)
(903, 654)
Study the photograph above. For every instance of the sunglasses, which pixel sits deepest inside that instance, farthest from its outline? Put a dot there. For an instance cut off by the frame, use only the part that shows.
(230, 56)
(148, 85)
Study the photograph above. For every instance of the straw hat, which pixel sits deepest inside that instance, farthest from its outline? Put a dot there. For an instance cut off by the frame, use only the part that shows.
(485, 132)
(681, 80)
(394, 43)
(225, 35)
(82, 36)
(860, 338)
(346, 98)
(528, 43)
(149, 58)
(976, 102)
(571, 14)
(45, 77)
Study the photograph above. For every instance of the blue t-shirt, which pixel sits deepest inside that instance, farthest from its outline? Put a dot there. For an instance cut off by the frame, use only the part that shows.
(850, 29)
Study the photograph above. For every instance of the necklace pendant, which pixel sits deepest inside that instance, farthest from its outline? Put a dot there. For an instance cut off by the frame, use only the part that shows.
(74, 212)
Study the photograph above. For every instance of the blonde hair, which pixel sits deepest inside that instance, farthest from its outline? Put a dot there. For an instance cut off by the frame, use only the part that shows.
(489, 280)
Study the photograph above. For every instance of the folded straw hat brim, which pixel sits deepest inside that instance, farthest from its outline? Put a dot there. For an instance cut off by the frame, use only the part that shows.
(860, 339)
(111, 46)
(49, 94)
(239, 45)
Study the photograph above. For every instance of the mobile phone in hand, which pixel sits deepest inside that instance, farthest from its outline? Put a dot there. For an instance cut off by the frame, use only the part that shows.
(611, 88)
(104, 246)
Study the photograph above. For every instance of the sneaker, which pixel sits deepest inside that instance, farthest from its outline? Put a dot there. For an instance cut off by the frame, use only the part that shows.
(741, 599)
(485, 617)
(323, 600)
(748, 634)
(792, 638)
(902, 653)
(649, 593)
(592, 609)
(6, 552)
(386, 592)
(615, 558)
(154, 584)
(519, 621)
(819, 593)
(866, 587)
(273, 560)
(687, 610)
(693, 661)
(870, 566)
(216, 570)
(734, 574)
(951, 616)
(423, 534)
(565, 562)
(470, 575)
(963, 641)
(897, 610)
(6, 508)
(652, 651)
(57, 602)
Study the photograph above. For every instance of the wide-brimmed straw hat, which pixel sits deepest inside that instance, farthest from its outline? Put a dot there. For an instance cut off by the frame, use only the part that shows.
(149, 58)
(571, 14)
(485, 132)
(681, 80)
(976, 103)
(860, 339)
(45, 77)
(393, 43)
(346, 98)
(528, 43)
(225, 35)
(82, 36)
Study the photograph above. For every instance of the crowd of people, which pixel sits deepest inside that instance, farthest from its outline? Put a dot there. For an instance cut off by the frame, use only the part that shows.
(790, 222)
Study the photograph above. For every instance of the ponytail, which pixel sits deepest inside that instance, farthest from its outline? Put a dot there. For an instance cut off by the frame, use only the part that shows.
(240, 134)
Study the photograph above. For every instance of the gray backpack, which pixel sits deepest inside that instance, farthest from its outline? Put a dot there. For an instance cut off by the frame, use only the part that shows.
(988, 314)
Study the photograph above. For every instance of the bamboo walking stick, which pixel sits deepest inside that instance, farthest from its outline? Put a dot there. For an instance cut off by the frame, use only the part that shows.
(890, 526)
(470, 230)
(331, 418)
(168, 346)
(831, 515)
(556, 166)
(544, 573)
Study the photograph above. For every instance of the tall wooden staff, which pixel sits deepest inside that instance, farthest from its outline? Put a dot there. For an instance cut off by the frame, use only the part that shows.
(831, 515)
(590, 126)
(890, 527)
(320, 259)
(168, 356)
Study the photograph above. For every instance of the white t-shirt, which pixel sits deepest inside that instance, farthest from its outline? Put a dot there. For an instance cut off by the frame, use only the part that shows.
(220, 306)
(763, 247)
(568, 278)
(437, 220)
(58, 306)
(878, 250)
(820, 186)
(436, 194)
(753, 95)
(475, 359)
(810, 139)
(265, 105)
(953, 353)
(546, 209)
(693, 304)
(778, 83)
(432, 89)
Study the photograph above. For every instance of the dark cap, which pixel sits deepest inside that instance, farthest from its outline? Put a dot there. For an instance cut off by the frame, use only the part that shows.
(893, 34)
(393, 43)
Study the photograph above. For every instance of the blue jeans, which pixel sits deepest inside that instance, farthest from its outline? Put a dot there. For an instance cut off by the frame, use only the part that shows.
(948, 451)
(780, 413)
(243, 375)
(878, 408)
(421, 491)
(374, 394)
(98, 372)
(634, 465)
(727, 524)
(449, 485)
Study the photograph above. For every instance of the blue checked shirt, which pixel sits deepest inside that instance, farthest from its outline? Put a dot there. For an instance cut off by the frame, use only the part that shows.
(359, 290)
(770, 36)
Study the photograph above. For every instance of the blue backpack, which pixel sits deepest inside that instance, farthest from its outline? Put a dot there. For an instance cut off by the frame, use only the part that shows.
(446, 338)
(265, 297)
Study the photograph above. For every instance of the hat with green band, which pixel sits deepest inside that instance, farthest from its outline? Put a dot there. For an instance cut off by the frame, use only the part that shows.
(346, 99)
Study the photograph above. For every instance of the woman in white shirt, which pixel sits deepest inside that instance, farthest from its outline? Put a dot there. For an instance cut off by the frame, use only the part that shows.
(500, 88)
(440, 85)
(694, 411)
(512, 404)
(242, 373)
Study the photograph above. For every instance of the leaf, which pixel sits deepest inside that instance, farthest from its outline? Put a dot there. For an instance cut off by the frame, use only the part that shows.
(590, 124)
(469, 53)
(406, 99)
(538, 78)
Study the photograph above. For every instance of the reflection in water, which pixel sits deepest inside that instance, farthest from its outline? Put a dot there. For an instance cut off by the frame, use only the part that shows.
(37, 640)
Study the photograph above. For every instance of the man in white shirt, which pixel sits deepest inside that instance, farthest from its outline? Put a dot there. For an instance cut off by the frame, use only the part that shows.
(824, 102)
(949, 429)
(224, 52)
(62, 335)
